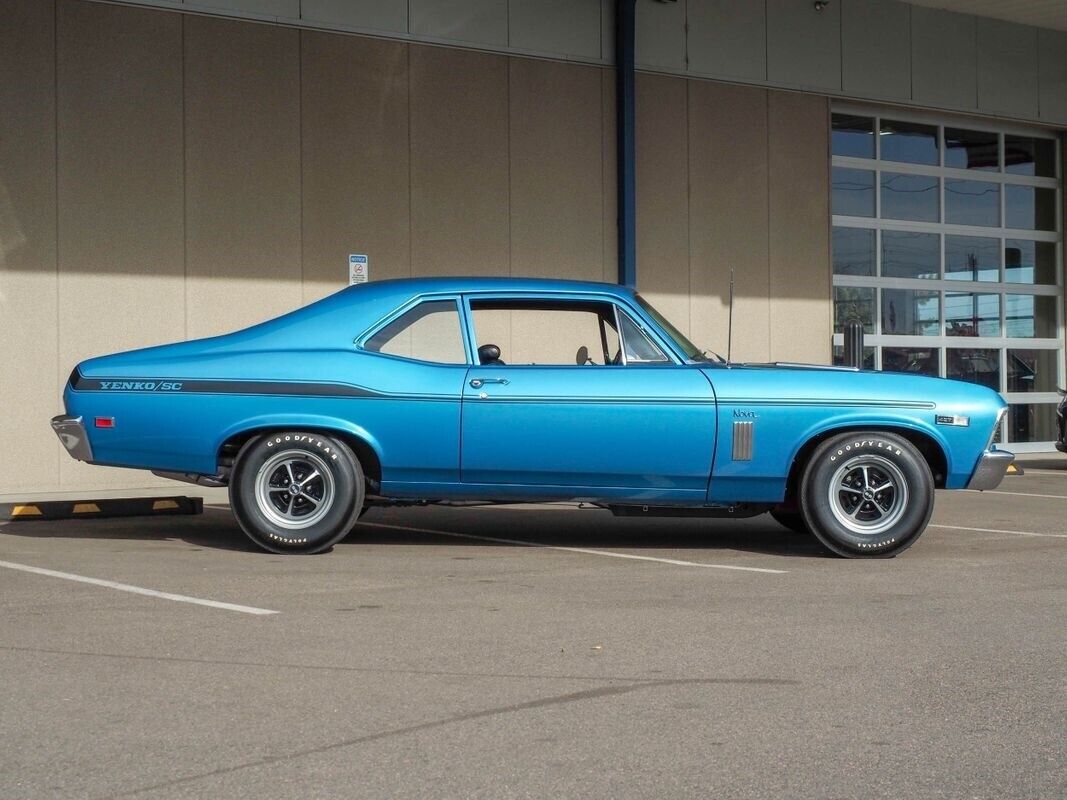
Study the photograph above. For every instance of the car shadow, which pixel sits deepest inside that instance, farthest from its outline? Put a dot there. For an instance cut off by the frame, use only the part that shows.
(557, 527)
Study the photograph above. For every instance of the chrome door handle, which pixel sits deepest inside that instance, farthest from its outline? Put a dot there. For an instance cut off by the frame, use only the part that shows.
(478, 383)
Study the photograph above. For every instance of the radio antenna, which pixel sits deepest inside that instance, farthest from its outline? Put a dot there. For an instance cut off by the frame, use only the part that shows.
(730, 323)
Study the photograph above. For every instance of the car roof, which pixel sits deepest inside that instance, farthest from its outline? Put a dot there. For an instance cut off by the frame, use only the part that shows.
(417, 286)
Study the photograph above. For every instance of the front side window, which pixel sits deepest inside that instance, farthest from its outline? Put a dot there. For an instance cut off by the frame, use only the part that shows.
(545, 332)
(429, 331)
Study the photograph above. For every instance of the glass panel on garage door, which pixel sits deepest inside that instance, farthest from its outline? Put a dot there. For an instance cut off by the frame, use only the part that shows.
(948, 247)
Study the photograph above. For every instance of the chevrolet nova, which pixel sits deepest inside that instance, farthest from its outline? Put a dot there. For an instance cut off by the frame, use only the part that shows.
(512, 390)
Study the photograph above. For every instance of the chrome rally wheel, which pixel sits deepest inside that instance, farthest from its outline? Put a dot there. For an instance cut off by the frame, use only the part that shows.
(868, 494)
(294, 489)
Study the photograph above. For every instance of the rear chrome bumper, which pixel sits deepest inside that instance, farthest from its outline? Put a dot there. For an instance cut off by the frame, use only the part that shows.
(990, 470)
(71, 431)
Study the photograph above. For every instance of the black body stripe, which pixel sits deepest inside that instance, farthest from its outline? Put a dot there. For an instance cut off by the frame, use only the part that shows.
(196, 386)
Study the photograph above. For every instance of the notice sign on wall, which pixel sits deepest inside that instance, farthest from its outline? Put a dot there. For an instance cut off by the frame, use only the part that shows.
(358, 269)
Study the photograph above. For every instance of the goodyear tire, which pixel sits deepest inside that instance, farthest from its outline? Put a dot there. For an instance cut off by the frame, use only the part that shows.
(867, 494)
(296, 491)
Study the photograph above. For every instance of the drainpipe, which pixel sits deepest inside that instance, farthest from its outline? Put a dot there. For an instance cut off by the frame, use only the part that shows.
(625, 13)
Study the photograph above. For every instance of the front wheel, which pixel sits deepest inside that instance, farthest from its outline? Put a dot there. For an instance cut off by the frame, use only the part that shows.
(867, 494)
(296, 492)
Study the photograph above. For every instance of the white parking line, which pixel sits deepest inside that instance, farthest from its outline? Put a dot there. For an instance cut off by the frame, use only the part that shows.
(995, 530)
(1020, 494)
(125, 587)
(584, 550)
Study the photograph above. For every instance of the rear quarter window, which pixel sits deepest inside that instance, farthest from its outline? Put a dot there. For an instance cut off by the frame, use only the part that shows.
(429, 331)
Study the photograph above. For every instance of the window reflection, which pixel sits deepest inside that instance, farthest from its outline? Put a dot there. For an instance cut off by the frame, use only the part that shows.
(1029, 208)
(1032, 422)
(853, 303)
(912, 197)
(972, 258)
(1027, 155)
(972, 203)
(868, 357)
(971, 314)
(852, 136)
(853, 192)
(911, 312)
(910, 142)
(974, 365)
(1031, 262)
(920, 360)
(1028, 316)
(971, 149)
(1032, 370)
(906, 254)
(853, 250)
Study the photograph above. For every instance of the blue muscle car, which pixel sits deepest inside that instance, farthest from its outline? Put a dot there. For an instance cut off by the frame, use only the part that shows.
(512, 390)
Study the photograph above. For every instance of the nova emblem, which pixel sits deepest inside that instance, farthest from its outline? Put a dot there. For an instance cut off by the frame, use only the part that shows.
(740, 412)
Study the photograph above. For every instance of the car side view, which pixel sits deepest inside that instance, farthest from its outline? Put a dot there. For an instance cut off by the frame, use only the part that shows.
(515, 390)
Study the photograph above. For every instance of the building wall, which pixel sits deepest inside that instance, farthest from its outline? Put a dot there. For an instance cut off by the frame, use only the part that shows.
(167, 176)
(864, 49)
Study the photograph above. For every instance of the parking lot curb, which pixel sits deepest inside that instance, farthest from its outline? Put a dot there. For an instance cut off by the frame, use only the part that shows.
(95, 509)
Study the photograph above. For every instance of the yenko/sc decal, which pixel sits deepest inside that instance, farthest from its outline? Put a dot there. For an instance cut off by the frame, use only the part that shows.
(141, 386)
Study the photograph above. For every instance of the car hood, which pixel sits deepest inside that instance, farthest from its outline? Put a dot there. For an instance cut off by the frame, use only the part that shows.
(837, 386)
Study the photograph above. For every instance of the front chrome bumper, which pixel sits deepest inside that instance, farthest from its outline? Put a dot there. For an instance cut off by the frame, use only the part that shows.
(71, 431)
(990, 470)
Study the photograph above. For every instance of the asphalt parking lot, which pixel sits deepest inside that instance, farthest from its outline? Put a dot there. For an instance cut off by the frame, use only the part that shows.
(585, 656)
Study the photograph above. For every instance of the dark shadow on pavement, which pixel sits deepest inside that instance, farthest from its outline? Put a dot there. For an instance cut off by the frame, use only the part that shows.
(562, 527)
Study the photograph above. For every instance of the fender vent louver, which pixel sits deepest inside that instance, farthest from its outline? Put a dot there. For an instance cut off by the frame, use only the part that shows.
(743, 441)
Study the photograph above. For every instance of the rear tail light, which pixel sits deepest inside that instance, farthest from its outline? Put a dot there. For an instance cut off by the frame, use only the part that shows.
(105, 422)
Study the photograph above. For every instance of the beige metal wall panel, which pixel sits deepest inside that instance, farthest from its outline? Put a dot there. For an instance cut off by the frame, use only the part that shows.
(121, 237)
(560, 27)
(1052, 59)
(799, 225)
(286, 9)
(377, 15)
(944, 71)
(473, 21)
(1007, 68)
(242, 106)
(459, 162)
(728, 39)
(876, 49)
(29, 372)
(556, 200)
(660, 35)
(663, 195)
(608, 172)
(355, 159)
(804, 44)
(728, 217)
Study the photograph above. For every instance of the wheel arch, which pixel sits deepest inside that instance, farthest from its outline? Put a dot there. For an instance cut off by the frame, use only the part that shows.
(932, 451)
(365, 446)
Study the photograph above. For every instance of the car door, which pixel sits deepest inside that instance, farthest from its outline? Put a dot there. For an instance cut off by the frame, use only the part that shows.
(572, 393)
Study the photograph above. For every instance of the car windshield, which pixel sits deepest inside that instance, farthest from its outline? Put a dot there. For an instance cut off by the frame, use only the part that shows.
(689, 350)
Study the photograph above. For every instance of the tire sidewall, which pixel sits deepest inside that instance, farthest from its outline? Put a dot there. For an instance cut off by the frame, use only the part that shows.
(815, 502)
(347, 502)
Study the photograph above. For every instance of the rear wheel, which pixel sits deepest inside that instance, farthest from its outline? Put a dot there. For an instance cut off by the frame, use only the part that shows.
(867, 494)
(296, 492)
